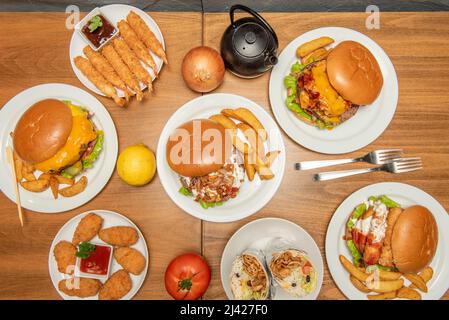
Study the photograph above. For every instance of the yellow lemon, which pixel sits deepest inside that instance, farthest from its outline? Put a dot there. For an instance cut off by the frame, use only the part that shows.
(136, 165)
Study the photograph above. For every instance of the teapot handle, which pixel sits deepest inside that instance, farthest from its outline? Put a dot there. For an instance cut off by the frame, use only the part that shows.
(254, 14)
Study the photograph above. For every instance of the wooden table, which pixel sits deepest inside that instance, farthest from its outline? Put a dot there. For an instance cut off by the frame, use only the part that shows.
(417, 43)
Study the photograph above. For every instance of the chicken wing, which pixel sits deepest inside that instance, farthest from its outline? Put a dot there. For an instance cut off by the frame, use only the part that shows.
(98, 80)
(146, 35)
(136, 45)
(133, 62)
(122, 70)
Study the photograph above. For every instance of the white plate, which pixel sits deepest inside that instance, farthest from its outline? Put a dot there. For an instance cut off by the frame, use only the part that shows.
(353, 134)
(97, 176)
(256, 235)
(253, 195)
(406, 195)
(110, 219)
(114, 13)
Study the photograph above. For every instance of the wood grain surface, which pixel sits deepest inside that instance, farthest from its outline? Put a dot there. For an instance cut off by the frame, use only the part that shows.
(418, 45)
(41, 54)
(35, 51)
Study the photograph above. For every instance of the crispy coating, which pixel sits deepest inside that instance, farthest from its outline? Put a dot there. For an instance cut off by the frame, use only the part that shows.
(65, 255)
(116, 287)
(98, 80)
(119, 236)
(87, 228)
(133, 62)
(80, 287)
(136, 45)
(130, 259)
(122, 70)
(146, 35)
(107, 71)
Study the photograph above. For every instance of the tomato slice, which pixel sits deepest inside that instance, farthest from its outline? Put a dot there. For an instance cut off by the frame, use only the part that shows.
(187, 277)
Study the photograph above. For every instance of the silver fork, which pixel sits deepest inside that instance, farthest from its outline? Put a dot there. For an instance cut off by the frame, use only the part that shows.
(374, 157)
(396, 166)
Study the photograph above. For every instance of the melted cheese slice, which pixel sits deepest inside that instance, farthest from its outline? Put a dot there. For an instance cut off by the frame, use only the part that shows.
(82, 133)
(328, 96)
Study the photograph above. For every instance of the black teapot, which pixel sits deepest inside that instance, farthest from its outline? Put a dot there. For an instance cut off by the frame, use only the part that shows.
(249, 45)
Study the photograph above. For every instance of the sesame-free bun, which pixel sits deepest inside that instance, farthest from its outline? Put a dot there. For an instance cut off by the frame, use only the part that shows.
(42, 130)
(205, 162)
(354, 73)
(414, 240)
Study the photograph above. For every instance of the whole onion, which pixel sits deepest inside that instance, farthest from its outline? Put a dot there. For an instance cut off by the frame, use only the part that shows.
(203, 69)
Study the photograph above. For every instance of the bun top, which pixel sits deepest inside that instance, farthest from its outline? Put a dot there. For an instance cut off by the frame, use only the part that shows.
(414, 240)
(42, 130)
(354, 73)
(198, 148)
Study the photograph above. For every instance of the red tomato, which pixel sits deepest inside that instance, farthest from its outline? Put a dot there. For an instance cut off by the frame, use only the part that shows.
(187, 277)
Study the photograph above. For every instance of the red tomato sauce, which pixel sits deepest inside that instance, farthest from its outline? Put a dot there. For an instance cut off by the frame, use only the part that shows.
(98, 261)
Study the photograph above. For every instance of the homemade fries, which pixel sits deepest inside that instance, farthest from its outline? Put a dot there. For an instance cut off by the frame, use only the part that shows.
(387, 284)
(253, 149)
(27, 179)
(308, 47)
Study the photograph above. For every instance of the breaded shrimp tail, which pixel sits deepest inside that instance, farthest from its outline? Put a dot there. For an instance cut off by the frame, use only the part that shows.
(136, 45)
(122, 70)
(98, 80)
(146, 35)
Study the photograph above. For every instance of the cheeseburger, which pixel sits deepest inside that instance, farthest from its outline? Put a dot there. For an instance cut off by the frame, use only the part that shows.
(380, 233)
(328, 91)
(57, 137)
(209, 168)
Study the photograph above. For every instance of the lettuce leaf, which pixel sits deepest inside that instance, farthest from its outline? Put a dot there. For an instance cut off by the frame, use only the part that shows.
(88, 162)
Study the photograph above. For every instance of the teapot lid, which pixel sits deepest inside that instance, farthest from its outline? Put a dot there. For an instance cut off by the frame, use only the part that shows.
(250, 39)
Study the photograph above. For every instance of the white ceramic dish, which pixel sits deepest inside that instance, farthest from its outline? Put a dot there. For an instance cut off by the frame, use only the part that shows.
(252, 195)
(256, 235)
(114, 13)
(97, 176)
(359, 131)
(110, 219)
(406, 195)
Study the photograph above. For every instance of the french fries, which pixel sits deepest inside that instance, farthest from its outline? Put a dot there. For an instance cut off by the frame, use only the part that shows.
(270, 157)
(54, 186)
(18, 166)
(246, 116)
(407, 293)
(426, 275)
(35, 185)
(249, 168)
(417, 281)
(383, 296)
(253, 138)
(311, 46)
(27, 172)
(315, 55)
(387, 275)
(359, 284)
(353, 270)
(75, 189)
(64, 180)
(381, 286)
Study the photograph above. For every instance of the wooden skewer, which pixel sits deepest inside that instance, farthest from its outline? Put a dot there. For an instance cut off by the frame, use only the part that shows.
(10, 156)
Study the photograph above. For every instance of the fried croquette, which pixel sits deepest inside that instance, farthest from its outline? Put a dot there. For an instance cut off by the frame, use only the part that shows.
(65, 255)
(87, 228)
(80, 287)
(116, 287)
(130, 259)
(119, 236)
